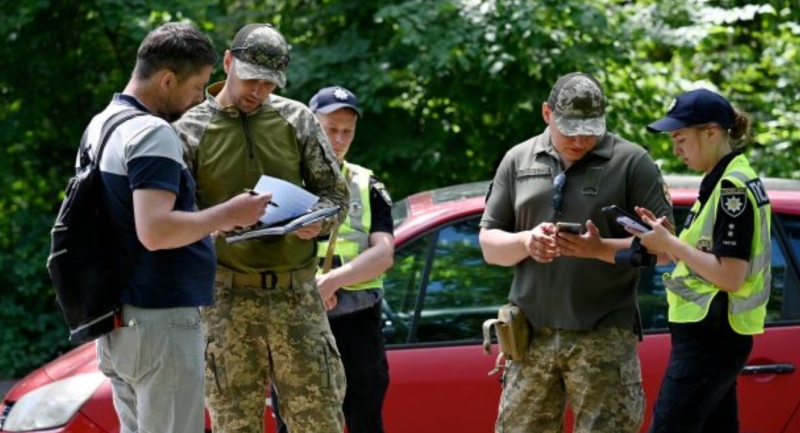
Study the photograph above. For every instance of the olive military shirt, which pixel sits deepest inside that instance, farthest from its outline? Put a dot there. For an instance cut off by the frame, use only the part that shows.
(574, 293)
(228, 151)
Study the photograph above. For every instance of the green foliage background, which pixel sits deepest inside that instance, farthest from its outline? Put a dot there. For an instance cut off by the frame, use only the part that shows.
(448, 86)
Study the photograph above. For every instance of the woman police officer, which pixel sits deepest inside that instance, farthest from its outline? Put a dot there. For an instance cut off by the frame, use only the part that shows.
(719, 289)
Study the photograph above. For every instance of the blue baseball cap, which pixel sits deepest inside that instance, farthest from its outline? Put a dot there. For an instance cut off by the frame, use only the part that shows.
(329, 99)
(696, 107)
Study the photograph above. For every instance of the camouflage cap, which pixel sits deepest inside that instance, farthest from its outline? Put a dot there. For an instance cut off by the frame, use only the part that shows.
(261, 53)
(578, 105)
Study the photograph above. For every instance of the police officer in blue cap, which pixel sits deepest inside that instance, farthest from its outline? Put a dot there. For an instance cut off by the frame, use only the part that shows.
(358, 255)
(719, 289)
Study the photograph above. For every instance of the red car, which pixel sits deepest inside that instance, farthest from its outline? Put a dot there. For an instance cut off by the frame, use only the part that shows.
(438, 294)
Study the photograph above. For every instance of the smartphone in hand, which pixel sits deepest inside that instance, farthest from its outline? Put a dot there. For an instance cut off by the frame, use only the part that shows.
(573, 228)
(626, 219)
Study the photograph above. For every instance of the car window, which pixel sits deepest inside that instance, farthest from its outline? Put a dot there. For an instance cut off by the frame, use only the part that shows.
(402, 285)
(784, 299)
(791, 225)
(460, 289)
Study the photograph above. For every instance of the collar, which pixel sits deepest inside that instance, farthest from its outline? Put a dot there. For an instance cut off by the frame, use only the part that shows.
(713, 177)
(211, 97)
(131, 101)
(604, 147)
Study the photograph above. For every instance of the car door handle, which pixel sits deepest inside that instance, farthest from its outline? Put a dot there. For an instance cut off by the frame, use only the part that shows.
(768, 369)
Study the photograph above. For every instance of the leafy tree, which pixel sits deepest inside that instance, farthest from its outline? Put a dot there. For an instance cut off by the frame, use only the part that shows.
(448, 87)
(61, 63)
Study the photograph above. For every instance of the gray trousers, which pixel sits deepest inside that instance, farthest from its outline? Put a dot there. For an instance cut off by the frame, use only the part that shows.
(155, 363)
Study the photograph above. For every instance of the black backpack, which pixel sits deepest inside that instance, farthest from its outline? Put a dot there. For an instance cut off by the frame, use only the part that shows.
(87, 279)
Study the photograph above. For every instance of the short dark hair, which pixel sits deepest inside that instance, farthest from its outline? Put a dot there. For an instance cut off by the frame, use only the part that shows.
(179, 47)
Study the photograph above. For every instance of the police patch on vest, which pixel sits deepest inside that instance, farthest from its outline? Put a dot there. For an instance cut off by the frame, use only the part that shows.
(759, 191)
(383, 193)
(733, 201)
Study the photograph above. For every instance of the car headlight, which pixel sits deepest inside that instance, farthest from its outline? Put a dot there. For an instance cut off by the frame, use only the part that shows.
(52, 405)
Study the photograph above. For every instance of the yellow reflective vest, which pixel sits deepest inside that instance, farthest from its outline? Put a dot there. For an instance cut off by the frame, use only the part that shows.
(689, 295)
(353, 237)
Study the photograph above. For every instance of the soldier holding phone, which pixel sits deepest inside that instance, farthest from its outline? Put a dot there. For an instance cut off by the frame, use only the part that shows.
(582, 310)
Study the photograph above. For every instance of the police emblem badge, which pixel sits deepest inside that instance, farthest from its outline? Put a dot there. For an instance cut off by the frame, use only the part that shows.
(733, 201)
(340, 94)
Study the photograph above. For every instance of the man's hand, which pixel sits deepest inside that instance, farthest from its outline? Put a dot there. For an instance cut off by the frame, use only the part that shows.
(331, 303)
(541, 242)
(245, 210)
(585, 245)
(310, 231)
(327, 288)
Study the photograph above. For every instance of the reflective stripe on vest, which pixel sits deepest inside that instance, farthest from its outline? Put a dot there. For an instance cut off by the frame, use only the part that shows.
(353, 237)
(690, 294)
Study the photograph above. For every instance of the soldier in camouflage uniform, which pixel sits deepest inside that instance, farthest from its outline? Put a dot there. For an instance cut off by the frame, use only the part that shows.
(269, 320)
(581, 306)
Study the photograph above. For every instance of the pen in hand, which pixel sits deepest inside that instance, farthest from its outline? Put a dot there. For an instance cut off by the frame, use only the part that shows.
(251, 192)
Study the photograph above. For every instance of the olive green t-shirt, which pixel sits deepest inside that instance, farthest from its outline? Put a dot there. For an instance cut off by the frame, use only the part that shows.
(574, 293)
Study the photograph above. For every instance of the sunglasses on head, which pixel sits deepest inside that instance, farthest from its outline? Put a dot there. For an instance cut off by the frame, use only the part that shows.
(558, 195)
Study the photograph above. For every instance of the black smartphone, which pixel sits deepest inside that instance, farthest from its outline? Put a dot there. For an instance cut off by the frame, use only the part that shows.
(573, 228)
(626, 219)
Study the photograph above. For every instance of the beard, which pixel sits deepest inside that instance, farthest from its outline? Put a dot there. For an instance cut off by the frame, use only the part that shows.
(172, 116)
(172, 113)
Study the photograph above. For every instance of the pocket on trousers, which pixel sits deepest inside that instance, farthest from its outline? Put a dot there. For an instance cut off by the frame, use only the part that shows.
(214, 371)
(185, 322)
(186, 345)
(630, 372)
(333, 365)
(125, 350)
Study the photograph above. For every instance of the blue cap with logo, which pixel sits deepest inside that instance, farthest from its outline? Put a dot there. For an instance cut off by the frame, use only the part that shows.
(696, 107)
(329, 99)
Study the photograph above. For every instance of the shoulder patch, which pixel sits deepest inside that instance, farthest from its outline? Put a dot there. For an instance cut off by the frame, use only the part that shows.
(665, 191)
(758, 190)
(383, 193)
(733, 201)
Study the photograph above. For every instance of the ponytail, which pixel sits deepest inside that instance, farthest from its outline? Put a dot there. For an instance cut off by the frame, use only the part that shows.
(740, 130)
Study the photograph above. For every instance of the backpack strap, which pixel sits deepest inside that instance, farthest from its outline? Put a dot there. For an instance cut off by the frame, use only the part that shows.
(108, 127)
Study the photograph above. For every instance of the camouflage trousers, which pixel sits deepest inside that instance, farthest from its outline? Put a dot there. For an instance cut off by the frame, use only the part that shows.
(596, 372)
(254, 334)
